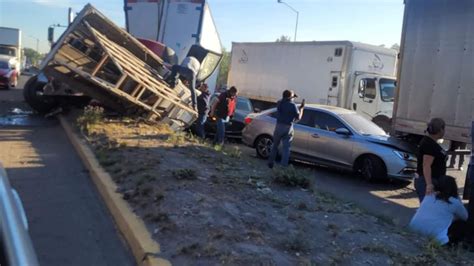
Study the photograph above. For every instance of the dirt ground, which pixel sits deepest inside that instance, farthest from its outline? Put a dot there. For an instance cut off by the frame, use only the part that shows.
(208, 205)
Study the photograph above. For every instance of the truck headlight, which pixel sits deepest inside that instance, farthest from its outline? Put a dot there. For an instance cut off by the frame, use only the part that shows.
(405, 155)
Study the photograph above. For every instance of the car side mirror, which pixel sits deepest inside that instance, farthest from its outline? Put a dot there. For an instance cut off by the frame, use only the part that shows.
(343, 131)
(361, 90)
(257, 110)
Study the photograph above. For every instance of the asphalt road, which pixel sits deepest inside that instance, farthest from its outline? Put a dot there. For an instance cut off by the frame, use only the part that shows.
(69, 223)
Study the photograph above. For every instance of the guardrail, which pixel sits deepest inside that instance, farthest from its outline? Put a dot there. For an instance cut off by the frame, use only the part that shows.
(17, 245)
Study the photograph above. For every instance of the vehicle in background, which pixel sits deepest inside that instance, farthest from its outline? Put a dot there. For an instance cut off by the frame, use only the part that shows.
(338, 138)
(235, 126)
(8, 73)
(179, 25)
(16, 246)
(10, 46)
(436, 69)
(351, 75)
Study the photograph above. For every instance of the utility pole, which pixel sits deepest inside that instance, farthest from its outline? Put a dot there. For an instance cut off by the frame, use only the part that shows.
(297, 16)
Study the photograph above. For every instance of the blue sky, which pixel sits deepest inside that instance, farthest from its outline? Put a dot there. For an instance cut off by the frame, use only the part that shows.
(370, 21)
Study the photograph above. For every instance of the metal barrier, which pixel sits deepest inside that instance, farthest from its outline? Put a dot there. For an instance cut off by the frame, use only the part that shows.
(17, 245)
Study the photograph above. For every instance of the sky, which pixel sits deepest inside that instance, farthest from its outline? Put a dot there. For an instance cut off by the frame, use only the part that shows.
(369, 21)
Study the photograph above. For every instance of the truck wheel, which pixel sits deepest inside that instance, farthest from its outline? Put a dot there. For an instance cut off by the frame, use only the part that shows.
(263, 146)
(384, 122)
(372, 168)
(41, 104)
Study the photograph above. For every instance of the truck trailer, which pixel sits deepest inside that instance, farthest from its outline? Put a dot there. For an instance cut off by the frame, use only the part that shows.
(10, 47)
(346, 74)
(436, 68)
(179, 25)
(94, 58)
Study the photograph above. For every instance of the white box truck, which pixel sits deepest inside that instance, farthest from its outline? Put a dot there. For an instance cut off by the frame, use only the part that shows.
(347, 74)
(436, 72)
(178, 25)
(10, 46)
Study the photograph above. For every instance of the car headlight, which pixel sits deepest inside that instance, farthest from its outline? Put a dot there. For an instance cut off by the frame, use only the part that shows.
(405, 155)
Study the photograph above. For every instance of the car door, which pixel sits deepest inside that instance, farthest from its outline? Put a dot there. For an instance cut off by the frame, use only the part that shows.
(364, 99)
(303, 130)
(328, 146)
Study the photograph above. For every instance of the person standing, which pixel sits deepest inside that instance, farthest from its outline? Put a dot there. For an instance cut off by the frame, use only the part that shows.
(287, 114)
(223, 109)
(203, 110)
(188, 70)
(454, 146)
(431, 159)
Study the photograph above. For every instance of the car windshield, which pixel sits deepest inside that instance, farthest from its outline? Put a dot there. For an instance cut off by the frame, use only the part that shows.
(362, 125)
(387, 89)
(244, 104)
(7, 51)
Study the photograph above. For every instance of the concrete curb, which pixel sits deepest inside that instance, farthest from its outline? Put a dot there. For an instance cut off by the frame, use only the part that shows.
(144, 248)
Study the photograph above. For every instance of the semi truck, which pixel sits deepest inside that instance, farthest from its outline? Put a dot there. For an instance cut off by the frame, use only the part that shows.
(10, 48)
(346, 74)
(94, 58)
(178, 25)
(435, 75)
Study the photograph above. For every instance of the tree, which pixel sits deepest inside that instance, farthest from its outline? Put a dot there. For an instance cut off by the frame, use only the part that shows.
(396, 47)
(32, 56)
(223, 69)
(283, 38)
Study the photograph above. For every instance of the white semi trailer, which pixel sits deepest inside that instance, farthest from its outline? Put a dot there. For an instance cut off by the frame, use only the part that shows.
(351, 75)
(179, 25)
(10, 46)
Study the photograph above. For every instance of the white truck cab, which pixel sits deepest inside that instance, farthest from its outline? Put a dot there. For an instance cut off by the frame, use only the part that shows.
(373, 97)
(346, 74)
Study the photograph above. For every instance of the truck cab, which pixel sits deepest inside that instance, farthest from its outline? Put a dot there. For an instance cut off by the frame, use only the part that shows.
(373, 97)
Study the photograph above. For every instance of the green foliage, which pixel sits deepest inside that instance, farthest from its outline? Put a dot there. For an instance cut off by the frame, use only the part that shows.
(289, 176)
(283, 38)
(91, 115)
(33, 56)
(234, 152)
(223, 69)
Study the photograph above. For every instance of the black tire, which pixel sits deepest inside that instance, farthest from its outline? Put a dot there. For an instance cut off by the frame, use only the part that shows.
(372, 168)
(41, 104)
(384, 122)
(263, 146)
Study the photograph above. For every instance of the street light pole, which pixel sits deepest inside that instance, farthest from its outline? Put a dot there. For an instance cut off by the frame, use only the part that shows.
(297, 16)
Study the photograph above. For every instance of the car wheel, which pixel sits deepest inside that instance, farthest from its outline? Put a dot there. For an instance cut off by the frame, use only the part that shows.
(372, 168)
(263, 145)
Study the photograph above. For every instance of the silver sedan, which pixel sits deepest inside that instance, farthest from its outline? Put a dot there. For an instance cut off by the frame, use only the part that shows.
(337, 138)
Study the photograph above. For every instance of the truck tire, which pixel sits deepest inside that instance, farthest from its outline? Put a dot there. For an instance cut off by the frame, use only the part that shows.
(384, 122)
(41, 104)
(371, 168)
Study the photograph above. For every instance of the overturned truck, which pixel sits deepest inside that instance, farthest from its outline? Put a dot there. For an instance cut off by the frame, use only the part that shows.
(95, 59)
